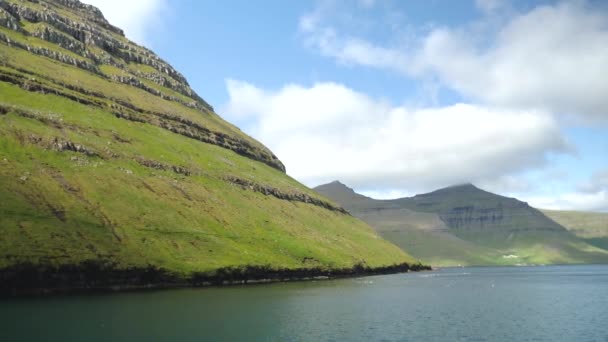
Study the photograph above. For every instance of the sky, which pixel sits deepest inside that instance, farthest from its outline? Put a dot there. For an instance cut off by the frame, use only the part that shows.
(395, 98)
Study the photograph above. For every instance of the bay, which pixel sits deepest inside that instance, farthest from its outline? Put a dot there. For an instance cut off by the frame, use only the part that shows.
(543, 303)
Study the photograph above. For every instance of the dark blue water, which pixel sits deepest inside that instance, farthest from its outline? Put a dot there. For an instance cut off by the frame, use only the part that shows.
(556, 303)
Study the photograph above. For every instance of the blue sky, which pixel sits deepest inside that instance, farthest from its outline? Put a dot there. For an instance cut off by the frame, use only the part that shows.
(401, 97)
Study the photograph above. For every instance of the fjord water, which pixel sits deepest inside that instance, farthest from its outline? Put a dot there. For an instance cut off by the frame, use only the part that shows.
(553, 303)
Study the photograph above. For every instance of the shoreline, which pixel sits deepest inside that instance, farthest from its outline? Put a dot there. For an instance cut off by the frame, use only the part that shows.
(29, 280)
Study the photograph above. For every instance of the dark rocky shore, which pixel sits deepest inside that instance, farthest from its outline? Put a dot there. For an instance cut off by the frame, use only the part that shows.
(36, 280)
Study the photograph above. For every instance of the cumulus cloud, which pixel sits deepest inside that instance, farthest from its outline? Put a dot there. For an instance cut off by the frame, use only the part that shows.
(367, 3)
(596, 201)
(598, 182)
(349, 50)
(590, 195)
(546, 58)
(138, 18)
(328, 131)
(489, 5)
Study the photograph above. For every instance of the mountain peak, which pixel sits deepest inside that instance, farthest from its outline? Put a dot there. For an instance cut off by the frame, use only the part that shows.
(338, 189)
(470, 186)
(457, 188)
(337, 183)
(335, 186)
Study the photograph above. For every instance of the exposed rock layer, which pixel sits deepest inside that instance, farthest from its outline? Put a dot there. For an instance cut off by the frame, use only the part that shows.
(94, 42)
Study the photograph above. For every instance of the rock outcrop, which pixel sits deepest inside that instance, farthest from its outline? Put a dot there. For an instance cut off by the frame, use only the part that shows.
(289, 196)
(89, 42)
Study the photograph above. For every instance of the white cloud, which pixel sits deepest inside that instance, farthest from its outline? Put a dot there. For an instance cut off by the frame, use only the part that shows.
(507, 185)
(596, 201)
(597, 182)
(347, 50)
(489, 5)
(358, 51)
(548, 58)
(367, 3)
(386, 194)
(591, 195)
(138, 18)
(328, 131)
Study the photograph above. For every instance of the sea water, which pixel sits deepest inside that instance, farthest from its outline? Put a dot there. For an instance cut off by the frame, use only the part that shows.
(551, 303)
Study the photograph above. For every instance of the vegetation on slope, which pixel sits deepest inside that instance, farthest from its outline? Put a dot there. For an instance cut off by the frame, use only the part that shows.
(590, 226)
(107, 157)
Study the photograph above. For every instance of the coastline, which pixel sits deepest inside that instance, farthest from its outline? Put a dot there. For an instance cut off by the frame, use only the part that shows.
(27, 280)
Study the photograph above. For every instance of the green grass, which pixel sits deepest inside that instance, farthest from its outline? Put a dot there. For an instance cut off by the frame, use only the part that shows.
(583, 223)
(77, 77)
(439, 249)
(192, 223)
(419, 234)
(590, 226)
(65, 208)
(39, 43)
(539, 247)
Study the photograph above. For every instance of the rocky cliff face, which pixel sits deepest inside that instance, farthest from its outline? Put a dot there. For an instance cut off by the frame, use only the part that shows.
(78, 36)
(85, 39)
(466, 207)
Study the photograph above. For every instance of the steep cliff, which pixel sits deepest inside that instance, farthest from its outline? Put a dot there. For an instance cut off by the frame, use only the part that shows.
(112, 167)
(78, 35)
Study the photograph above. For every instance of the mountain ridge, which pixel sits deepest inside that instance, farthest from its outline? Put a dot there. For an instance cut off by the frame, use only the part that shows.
(466, 225)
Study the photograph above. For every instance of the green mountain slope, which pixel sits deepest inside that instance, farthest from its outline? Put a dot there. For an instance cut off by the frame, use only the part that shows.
(464, 225)
(590, 226)
(108, 158)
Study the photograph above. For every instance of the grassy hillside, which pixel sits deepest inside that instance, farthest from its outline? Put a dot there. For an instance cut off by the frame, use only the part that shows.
(107, 156)
(464, 225)
(590, 226)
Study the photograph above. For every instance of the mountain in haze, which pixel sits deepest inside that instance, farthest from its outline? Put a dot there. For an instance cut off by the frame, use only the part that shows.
(590, 226)
(114, 172)
(465, 225)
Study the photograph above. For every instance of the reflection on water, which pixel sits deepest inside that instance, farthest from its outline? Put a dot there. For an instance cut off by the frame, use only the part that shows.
(556, 303)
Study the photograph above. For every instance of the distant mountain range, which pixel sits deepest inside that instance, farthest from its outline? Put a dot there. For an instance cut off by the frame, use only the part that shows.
(465, 225)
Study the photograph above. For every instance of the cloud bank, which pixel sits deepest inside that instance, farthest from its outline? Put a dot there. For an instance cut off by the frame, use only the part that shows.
(328, 131)
(547, 58)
